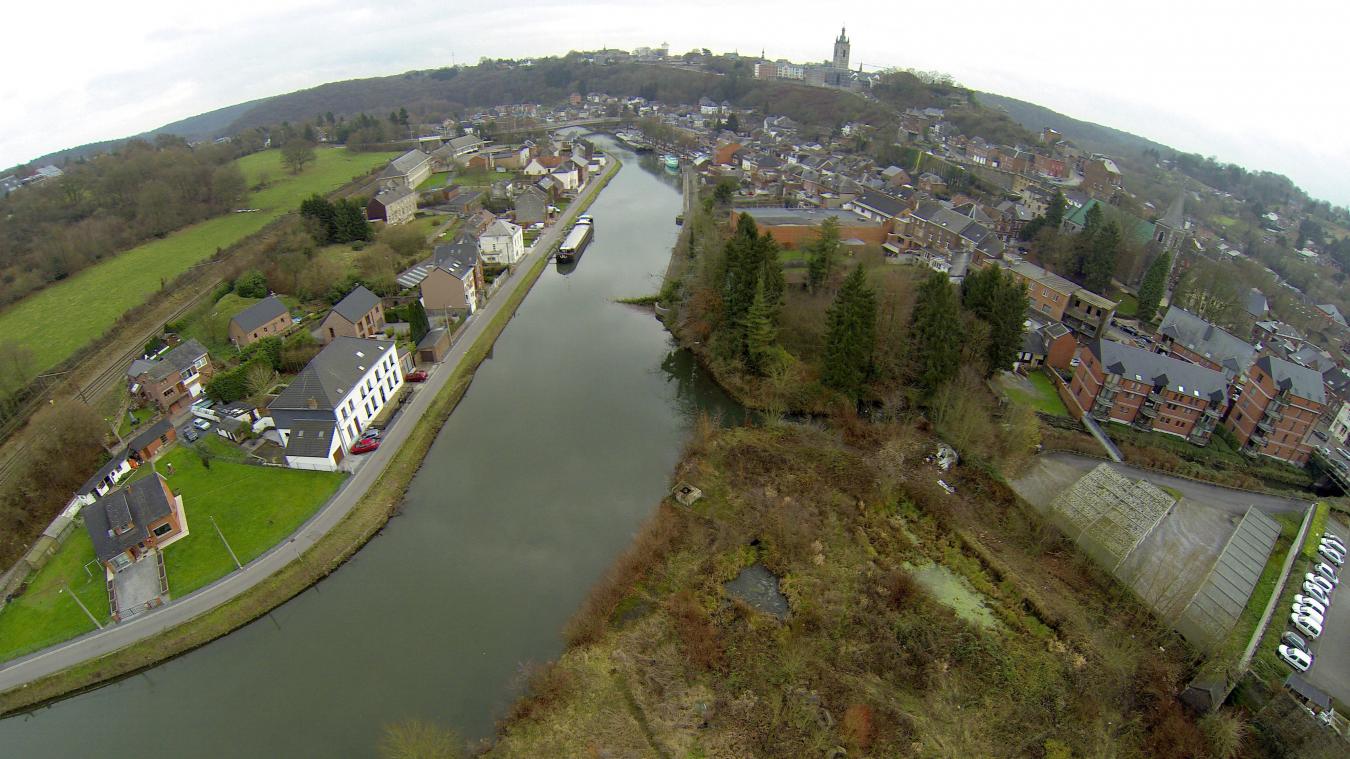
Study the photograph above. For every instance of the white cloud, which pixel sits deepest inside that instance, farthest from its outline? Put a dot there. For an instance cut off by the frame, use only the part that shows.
(1239, 80)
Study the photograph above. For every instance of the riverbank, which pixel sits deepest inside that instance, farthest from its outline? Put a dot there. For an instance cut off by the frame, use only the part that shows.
(917, 622)
(339, 543)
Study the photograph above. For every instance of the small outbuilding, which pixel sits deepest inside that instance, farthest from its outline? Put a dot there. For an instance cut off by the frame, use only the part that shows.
(433, 346)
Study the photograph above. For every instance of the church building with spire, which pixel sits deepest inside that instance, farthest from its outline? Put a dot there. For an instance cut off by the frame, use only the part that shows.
(841, 50)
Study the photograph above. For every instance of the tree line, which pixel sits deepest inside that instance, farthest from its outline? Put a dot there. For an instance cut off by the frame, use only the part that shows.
(108, 203)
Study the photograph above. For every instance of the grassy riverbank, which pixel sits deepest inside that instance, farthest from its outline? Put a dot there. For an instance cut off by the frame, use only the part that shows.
(359, 526)
(1024, 649)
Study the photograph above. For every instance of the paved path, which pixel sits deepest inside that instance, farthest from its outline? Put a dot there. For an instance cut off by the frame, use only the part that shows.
(21, 671)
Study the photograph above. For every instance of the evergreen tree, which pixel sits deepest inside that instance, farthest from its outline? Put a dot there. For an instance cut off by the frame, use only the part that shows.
(418, 323)
(851, 335)
(760, 331)
(1054, 214)
(1101, 259)
(1155, 283)
(322, 212)
(936, 332)
(822, 253)
(349, 221)
(750, 259)
(1001, 302)
(1084, 241)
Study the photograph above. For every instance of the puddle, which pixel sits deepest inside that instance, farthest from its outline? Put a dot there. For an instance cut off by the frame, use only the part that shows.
(951, 589)
(758, 587)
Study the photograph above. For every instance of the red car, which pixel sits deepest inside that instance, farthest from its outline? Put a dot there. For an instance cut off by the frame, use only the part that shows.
(366, 445)
(417, 376)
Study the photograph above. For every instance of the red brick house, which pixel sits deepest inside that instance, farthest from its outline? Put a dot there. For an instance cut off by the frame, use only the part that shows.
(172, 379)
(1186, 336)
(129, 524)
(360, 314)
(1121, 383)
(1278, 404)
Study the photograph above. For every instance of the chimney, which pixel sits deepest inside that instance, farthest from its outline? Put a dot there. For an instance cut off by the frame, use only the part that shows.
(313, 403)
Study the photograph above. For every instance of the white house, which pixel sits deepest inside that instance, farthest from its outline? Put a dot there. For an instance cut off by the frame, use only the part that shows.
(567, 175)
(333, 400)
(502, 243)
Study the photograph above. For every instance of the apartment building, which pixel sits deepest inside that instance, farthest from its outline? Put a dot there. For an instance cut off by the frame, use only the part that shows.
(1278, 403)
(1121, 383)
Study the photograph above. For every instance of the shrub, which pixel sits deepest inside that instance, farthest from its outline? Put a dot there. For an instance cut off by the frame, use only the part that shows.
(902, 590)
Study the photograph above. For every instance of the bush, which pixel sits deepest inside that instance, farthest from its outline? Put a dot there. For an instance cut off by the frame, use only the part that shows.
(251, 284)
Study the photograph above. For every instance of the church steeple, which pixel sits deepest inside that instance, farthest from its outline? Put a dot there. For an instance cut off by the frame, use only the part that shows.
(841, 50)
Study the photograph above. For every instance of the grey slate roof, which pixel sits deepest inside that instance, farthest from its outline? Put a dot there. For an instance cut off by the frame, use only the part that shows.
(93, 482)
(1298, 380)
(1254, 303)
(1335, 313)
(880, 202)
(260, 313)
(1160, 371)
(150, 435)
(332, 374)
(806, 216)
(431, 338)
(391, 195)
(176, 360)
(404, 164)
(459, 257)
(1176, 213)
(357, 304)
(1214, 343)
(134, 506)
(310, 438)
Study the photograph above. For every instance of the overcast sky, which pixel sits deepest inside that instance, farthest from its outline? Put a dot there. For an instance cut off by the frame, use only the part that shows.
(1253, 83)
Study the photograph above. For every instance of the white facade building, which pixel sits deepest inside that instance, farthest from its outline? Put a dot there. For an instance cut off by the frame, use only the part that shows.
(502, 243)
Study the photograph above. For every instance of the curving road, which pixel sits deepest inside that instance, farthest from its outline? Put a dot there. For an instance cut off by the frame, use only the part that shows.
(18, 672)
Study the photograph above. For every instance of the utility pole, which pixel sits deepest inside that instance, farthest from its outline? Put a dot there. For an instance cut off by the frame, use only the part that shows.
(237, 565)
(83, 608)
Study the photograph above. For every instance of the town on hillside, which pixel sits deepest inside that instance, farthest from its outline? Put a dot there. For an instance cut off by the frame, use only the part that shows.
(1182, 341)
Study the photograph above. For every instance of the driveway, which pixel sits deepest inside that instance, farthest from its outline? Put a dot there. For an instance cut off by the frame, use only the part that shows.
(137, 587)
(1331, 663)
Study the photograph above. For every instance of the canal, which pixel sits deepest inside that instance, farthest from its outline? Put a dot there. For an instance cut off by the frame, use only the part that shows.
(559, 451)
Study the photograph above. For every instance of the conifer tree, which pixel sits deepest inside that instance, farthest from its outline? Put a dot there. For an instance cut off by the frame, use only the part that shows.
(1101, 260)
(1155, 283)
(936, 332)
(760, 331)
(851, 335)
(822, 253)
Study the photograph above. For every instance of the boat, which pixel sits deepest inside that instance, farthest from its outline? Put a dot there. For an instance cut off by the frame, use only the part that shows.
(672, 161)
(578, 237)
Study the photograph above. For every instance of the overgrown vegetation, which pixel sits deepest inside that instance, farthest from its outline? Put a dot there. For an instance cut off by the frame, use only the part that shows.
(664, 661)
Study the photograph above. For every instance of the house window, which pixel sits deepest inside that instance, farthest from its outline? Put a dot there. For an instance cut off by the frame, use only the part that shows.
(163, 530)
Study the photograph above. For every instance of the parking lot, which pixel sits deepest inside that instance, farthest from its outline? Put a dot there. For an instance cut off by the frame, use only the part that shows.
(1331, 652)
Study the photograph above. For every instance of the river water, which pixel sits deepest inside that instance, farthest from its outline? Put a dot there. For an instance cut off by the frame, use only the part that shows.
(561, 448)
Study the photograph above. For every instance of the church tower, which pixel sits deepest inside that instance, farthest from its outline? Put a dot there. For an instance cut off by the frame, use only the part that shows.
(841, 50)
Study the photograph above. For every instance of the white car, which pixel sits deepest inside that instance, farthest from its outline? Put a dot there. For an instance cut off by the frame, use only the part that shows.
(1303, 610)
(1317, 606)
(202, 425)
(1296, 657)
(1329, 538)
(1316, 593)
(1325, 570)
(1320, 582)
(1309, 628)
(1335, 545)
(1331, 554)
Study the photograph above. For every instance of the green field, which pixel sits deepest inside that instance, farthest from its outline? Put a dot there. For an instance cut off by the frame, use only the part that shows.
(58, 320)
(46, 614)
(211, 324)
(1128, 306)
(1045, 398)
(435, 181)
(255, 507)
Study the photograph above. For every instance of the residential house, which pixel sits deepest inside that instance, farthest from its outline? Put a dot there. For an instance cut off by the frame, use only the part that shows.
(725, 154)
(932, 224)
(1278, 403)
(105, 479)
(542, 165)
(1339, 429)
(1186, 336)
(268, 317)
(1255, 308)
(1277, 335)
(531, 206)
(448, 155)
(1122, 383)
(148, 443)
(360, 314)
(334, 399)
(1330, 314)
(129, 524)
(877, 206)
(1101, 177)
(502, 243)
(454, 282)
(410, 169)
(1088, 313)
(1051, 344)
(172, 379)
(1048, 294)
(394, 205)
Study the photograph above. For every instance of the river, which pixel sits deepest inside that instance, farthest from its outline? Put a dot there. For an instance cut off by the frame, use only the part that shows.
(561, 448)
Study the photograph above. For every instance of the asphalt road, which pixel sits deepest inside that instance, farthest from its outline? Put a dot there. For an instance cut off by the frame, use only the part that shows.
(19, 672)
(1331, 652)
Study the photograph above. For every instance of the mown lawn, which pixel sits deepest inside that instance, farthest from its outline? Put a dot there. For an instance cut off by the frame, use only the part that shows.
(1045, 398)
(46, 614)
(435, 181)
(1128, 306)
(56, 321)
(255, 507)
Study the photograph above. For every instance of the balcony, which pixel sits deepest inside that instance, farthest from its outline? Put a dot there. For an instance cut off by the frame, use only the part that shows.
(1250, 452)
(1213, 412)
(1155, 398)
(1265, 426)
(1278, 403)
(1257, 440)
(1200, 435)
(1101, 414)
(1148, 410)
(1273, 415)
(1142, 423)
(1113, 380)
(1107, 393)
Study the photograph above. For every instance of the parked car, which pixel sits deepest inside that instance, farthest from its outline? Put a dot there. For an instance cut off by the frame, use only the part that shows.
(202, 424)
(1316, 592)
(1310, 629)
(1332, 543)
(1304, 610)
(191, 435)
(365, 445)
(1331, 554)
(1296, 658)
(1291, 638)
(1303, 600)
(418, 376)
(1321, 582)
(370, 435)
(1332, 536)
(1327, 572)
